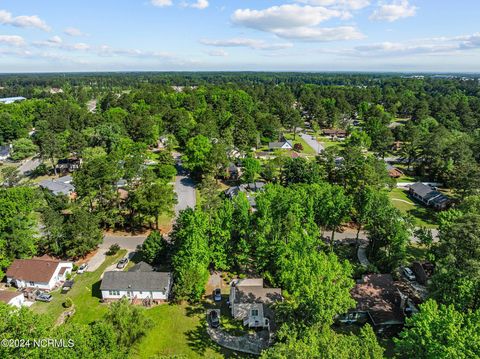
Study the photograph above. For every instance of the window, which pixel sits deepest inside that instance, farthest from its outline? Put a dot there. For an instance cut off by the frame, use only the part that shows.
(114, 292)
(254, 313)
(32, 284)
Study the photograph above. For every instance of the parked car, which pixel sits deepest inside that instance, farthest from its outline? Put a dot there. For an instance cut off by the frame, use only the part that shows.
(42, 296)
(82, 268)
(67, 286)
(217, 295)
(408, 273)
(214, 319)
(123, 262)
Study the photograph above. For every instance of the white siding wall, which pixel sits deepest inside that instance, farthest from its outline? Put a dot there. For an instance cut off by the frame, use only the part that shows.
(18, 301)
(45, 286)
(139, 295)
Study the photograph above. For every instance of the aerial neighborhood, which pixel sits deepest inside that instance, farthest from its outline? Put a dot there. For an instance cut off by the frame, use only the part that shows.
(221, 215)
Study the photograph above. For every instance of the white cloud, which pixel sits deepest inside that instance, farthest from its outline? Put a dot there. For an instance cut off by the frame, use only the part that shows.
(218, 53)
(161, 3)
(12, 40)
(72, 31)
(80, 46)
(396, 10)
(297, 22)
(56, 39)
(244, 42)
(321, 34)
(283, 17)
(341, 4)
(200, 4)
(7, 18)
(438, 45)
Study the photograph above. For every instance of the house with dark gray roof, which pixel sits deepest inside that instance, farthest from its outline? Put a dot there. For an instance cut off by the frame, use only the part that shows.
(429, 196)
(140, 283)
(59, 186)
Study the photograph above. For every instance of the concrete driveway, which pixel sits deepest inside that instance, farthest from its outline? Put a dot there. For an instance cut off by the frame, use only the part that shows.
(184, 187)
(312, 142)
(129, 243)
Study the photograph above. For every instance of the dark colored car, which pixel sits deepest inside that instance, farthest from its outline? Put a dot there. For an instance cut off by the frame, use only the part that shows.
(123, 262)
(214, 319)
(42, 296)
(67, 286)
(217, 295)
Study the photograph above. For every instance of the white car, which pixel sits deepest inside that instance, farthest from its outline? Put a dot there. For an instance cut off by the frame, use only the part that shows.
(82, 268)
(409, 274)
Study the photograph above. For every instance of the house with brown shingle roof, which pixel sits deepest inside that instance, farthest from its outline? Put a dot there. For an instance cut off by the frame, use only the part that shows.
(39, 272)
(15, 299)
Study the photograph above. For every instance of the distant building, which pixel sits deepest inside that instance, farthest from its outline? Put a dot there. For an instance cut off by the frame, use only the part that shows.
(9, 100)
(334, 133)
(59, 186)
(394, 172)
(68, 164)
(428, 196)
(282, 145)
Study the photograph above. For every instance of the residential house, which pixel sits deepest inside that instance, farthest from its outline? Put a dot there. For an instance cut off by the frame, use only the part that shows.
(429, 196)
(394, 172)
(39, 272)
(250, 302)
(68, 164)
(248, 188)
(334, 133)
(140, 283)
(59, 186)
(5, 152)
(282, 145)
(379, 299)
(15, 299)
(9, 100)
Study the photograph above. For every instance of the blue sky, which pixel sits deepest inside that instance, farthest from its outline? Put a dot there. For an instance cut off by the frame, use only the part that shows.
(297, 35)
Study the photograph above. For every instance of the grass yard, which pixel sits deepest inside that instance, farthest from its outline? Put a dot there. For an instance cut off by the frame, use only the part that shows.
(423, 216)
(306, 147)
(327, 142)
(179, 332)
(85, 295)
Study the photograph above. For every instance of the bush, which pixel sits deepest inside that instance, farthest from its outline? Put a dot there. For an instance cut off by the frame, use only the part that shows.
(298, 147)
(74, 268)
(68, 303)
(69, 276)
(114, 248)
(242, 276)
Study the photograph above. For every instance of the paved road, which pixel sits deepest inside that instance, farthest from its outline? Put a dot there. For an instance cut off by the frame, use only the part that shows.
(312, 142)
(29, 165)
(129, 243)
(184, 187)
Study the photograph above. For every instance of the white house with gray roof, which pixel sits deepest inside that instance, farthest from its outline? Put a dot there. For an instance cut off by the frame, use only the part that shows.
(140, 283)
(62, 185)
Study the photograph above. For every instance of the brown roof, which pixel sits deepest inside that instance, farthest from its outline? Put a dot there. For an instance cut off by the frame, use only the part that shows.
(257, 294)
(379, 296)
(37, 269)
(6, 295)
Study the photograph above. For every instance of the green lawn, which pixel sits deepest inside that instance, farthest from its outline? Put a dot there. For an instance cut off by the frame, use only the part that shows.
(423, 216)
(85, 295)
(179, 332)
(306, 147)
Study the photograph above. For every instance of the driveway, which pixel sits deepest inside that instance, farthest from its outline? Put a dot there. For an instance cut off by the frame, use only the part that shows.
(184, 187)
(29, 165)
(129, 243)
(312, 142)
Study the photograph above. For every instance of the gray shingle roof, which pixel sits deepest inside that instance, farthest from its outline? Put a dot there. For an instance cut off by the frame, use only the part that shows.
(136, 281)
(57, 187)
(421, 189)
(141, 267)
